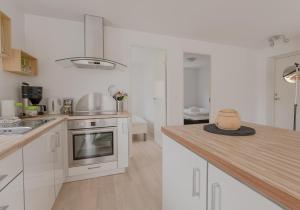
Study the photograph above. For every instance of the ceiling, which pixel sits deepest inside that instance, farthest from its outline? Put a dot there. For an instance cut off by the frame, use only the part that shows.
(238, 22)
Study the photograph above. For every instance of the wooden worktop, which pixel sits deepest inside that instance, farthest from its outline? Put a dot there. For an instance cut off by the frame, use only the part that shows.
(268, 162)
(11, 143)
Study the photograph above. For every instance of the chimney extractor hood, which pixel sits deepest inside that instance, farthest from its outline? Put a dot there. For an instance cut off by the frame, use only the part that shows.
(93, 48)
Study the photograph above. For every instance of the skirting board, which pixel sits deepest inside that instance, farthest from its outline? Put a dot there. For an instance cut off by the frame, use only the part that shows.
(94, 175)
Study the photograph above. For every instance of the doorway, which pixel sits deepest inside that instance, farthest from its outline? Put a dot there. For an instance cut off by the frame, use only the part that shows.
(284, 93)
(196, 88)
(148, 89)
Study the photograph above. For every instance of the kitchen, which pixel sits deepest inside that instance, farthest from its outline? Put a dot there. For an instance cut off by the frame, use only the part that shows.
(49, 31)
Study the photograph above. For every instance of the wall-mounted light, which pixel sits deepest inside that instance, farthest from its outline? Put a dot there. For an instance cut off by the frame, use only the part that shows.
(292, 74)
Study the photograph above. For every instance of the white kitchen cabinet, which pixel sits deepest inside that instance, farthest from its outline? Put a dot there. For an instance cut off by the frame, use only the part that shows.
(12, 197)
(39, 174)
(123, 138)
(184, 178)
(58, 137)
(227, 193)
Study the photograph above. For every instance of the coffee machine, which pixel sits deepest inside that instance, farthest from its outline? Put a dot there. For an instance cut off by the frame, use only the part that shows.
(32, 95)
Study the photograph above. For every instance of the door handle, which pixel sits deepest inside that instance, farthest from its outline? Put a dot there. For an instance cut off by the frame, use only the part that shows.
(4, 207)
(214, 203)
(196, 182)
(58, 139)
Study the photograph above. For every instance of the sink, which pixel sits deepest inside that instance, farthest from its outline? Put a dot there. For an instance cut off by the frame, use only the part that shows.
(23, 127)
(14, 130)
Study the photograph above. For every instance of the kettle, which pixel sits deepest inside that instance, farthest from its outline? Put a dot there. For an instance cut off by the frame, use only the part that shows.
(54, 105)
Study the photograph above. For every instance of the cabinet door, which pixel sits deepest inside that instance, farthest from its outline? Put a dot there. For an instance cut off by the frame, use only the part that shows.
(58, 158)
(227, 193)
(39, 174)
(11, 197)
(184, 178)
(123, 134)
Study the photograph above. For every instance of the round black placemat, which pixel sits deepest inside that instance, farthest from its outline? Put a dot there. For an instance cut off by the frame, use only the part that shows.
(243, 131)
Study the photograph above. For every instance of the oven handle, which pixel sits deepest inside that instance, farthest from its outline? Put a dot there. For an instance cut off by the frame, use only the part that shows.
(92, 130)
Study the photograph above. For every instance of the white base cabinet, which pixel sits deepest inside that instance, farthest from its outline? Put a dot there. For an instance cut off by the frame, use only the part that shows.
(123, 146)
(191, 183)
(227, 193)
(44, 169)
(11, 197)
(39, 174)
(184, 178)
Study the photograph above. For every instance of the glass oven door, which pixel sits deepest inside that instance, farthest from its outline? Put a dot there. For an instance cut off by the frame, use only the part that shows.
(89, 146)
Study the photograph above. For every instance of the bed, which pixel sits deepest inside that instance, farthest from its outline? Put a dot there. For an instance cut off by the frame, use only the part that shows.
(195, 115)
(139, 126)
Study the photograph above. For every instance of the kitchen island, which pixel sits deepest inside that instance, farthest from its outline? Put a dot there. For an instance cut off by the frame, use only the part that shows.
(267, 163)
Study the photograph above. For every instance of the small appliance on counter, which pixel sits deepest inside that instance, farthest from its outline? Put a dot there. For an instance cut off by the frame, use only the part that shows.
(54, 105)
(31, 98)
(67, 106)
(8, 108)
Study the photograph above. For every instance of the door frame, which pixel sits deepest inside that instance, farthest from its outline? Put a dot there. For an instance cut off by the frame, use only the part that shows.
(210, 82)
(271, 70)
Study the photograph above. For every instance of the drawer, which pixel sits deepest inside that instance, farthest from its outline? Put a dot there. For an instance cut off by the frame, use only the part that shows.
(12, 197)
(95, 168)
(10, 167)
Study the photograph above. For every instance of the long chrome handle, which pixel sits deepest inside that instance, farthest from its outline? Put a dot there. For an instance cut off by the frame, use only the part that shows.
(4, 207)
(214, 203)
(58, 139)
(2, 177)
(90, 168)
(196, 182)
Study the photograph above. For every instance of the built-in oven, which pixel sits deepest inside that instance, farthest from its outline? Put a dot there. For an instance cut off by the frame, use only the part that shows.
(92, 141)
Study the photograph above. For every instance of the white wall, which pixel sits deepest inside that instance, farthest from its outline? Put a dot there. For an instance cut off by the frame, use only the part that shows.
(191, 89)
(265, 81)
(204, 88)
(233, 70)
(9, 83)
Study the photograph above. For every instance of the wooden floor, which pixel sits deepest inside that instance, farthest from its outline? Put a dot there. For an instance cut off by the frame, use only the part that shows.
(138, 189)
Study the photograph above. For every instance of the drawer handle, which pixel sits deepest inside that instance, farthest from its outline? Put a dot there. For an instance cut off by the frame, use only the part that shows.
(214, 204)
(196, 182)
(2, 177)
(94, 167)
(4, 207)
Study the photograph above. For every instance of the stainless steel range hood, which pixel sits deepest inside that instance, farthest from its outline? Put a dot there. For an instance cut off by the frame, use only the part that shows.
(93, 48)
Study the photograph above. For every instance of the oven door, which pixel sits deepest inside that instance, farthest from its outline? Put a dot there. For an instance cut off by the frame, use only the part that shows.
(90, 146)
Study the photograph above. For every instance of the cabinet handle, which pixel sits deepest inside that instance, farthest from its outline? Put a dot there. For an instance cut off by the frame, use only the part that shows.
(90, 168)
(57, 139)
(2, 177)
(214, 204)
(4, 207)
(196, 182)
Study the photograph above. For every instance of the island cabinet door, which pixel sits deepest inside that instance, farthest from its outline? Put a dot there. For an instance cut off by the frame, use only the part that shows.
(227, 193)
(184, 178)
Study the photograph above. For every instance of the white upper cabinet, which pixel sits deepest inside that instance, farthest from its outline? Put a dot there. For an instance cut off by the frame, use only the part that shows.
(227, 193)
(184, 178)
(123, 138)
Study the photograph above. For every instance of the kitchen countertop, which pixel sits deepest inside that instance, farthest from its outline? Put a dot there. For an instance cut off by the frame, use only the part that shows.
(11, 143)
(268, 162)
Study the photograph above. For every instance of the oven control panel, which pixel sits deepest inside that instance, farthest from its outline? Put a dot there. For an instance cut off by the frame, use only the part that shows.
(92, 123)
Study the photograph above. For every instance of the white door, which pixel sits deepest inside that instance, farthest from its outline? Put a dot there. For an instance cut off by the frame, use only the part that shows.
(39, 174)
(184, 178)
(159, 96)
(148, 88)
(284, 94)
(226, 193)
